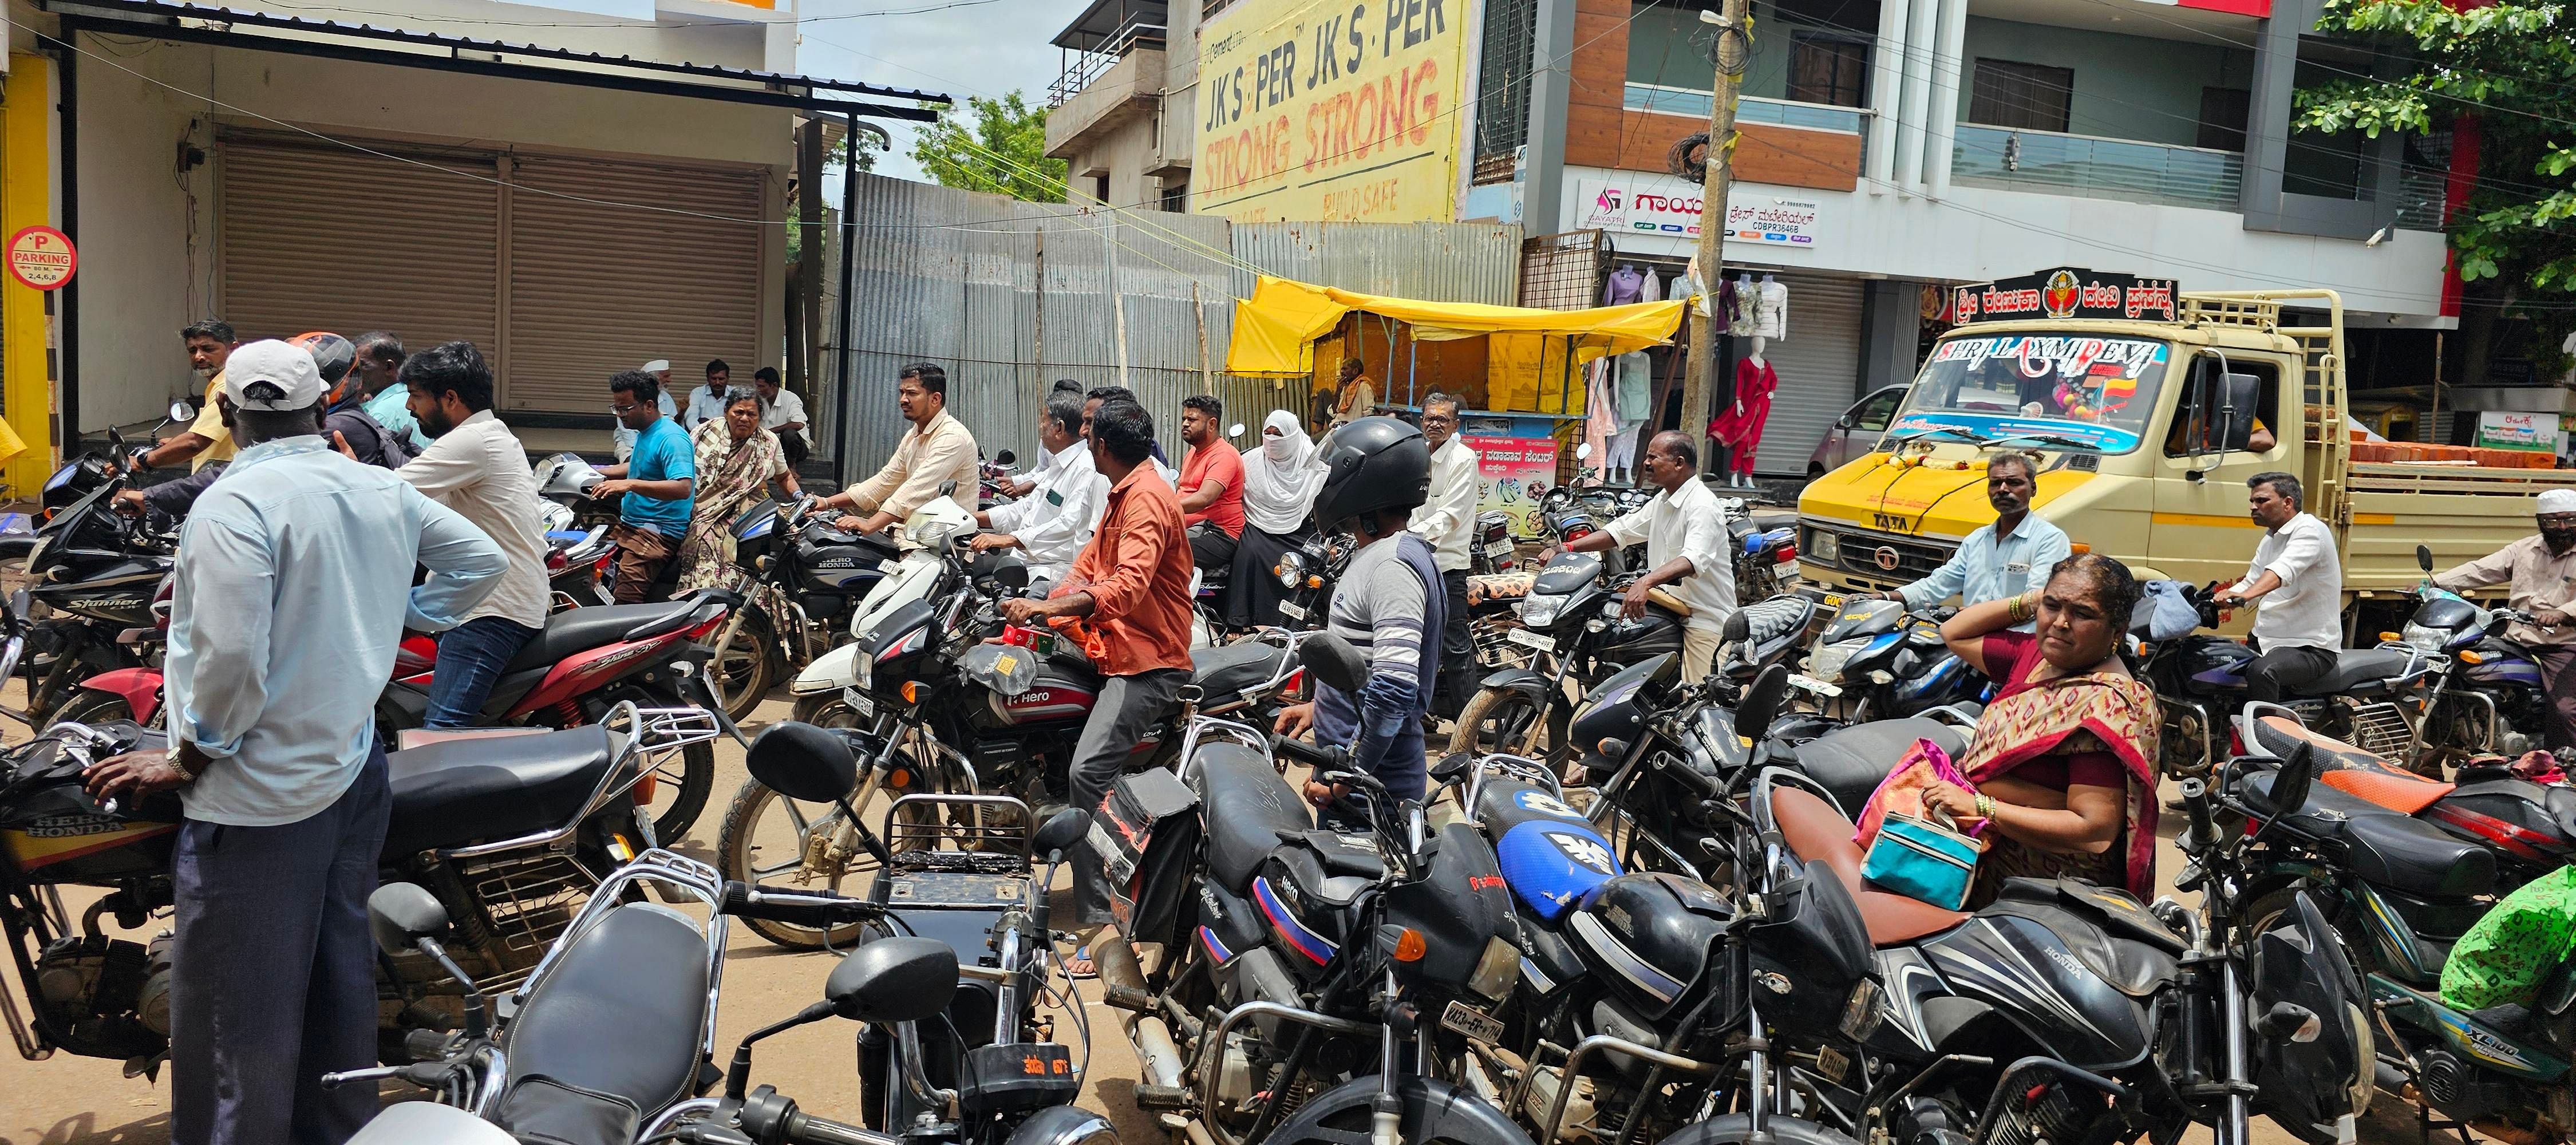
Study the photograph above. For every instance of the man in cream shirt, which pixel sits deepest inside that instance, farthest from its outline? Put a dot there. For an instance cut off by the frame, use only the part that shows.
(1448, 521)
(1685, 535)
(475, 466)
(937, 451)
(1056, 518)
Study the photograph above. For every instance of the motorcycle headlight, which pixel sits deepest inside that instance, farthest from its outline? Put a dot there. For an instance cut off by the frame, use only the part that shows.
(2425, 639)
(866, 670)
(1291, 569)
(1541, 611)
(1827, 662)
(1496, 970)
(1826, 548)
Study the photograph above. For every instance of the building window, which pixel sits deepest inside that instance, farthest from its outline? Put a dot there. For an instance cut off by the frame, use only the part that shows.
(1176, 194)
(1502, 88)
(2031, 97)
(1827, 68)
(2222, 118)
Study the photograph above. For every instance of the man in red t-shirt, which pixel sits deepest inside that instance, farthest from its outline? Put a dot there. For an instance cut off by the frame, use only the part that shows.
(1211, 485)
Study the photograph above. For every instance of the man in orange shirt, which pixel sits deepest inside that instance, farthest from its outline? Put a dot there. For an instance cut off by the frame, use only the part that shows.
(1131, 585)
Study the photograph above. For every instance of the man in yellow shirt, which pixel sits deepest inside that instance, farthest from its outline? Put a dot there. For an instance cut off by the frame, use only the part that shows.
(210, 343)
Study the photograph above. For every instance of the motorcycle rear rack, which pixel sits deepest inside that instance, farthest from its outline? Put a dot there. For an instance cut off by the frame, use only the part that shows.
(966, 825)
(647, 735)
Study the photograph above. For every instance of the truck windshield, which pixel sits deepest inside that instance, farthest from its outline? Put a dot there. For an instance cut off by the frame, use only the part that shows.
(2064, 391)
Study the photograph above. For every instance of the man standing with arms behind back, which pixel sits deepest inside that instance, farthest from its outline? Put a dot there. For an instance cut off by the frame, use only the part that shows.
(288, 604)
(2297, 577)
(1685, 536)
(1448, 522)
(475, 466)
(2542, 572)
(653, 513)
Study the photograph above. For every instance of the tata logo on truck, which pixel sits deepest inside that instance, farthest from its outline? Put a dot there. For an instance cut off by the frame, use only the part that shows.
(2070, 292)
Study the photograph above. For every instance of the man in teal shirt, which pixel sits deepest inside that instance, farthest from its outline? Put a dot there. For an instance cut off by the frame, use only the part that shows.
(653, 484)
(380, 359)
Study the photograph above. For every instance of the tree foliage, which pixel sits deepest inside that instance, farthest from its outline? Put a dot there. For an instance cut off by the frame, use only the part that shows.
(992, 145)
(2511, 64)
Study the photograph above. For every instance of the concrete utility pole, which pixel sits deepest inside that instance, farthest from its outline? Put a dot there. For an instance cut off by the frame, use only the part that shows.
(1734, 44)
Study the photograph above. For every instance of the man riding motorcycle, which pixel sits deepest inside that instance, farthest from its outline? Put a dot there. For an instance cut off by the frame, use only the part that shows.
(937, 451)
(2542, 572)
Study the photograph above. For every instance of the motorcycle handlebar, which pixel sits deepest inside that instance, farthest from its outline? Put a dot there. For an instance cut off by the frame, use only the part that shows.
(807, 1129)
(821, 910)
(1317, 756)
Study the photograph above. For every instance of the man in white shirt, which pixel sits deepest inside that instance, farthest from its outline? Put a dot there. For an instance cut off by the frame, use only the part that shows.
(476, 466)
(1448, 522)
(2296, 584)
(1685, 536)
(1058, 516)
(707, 402)
(781, 413)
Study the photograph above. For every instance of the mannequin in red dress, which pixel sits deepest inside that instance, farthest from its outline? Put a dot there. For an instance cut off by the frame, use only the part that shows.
(1739, 426)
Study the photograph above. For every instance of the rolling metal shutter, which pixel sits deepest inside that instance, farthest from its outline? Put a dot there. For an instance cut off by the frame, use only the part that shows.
(350, 242)
(1819, 365)
(595, 289)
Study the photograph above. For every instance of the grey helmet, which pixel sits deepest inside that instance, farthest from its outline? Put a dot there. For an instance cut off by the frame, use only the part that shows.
(1371, 464)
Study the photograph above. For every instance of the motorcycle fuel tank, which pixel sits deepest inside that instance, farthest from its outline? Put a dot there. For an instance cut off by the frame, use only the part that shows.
(53, 832)
(2027, 971)
(1648, 935)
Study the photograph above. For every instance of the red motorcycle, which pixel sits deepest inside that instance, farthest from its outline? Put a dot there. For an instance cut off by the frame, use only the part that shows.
(584, 662)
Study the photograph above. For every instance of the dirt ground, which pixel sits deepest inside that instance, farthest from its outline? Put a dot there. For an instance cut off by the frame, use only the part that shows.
(70, 1100)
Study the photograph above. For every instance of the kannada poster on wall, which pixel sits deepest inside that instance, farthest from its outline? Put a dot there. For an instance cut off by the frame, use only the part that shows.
(1330, 110)
(1506, 467)
(2537, 432)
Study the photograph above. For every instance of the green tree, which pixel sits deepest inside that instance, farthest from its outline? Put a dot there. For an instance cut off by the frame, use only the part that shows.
(2512, 65)
(992, 145)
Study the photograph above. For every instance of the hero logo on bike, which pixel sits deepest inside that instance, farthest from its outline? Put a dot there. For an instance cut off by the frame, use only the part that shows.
(1544, 804)
(1588, 852)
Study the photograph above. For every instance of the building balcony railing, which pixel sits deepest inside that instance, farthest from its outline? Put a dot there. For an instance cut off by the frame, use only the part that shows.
(1748, 109)
(1082, 67)
(2056, 163)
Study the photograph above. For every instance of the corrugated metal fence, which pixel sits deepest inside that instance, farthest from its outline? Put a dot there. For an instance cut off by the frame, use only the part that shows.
(1008, 296)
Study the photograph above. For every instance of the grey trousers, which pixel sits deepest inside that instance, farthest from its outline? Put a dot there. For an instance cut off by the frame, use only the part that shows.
(273, 976)
(1128, 707)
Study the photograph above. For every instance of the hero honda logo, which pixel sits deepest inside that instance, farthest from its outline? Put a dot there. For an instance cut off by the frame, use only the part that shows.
(1587, 852)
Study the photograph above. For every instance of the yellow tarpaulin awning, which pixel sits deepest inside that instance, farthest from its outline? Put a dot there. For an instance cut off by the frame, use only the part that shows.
(1275, 332)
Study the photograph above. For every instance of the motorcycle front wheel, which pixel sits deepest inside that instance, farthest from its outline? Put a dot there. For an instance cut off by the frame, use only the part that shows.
(793, 845)
(746, 668)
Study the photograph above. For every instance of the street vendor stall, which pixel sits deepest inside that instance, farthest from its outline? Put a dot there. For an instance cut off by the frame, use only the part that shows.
(1526, 399)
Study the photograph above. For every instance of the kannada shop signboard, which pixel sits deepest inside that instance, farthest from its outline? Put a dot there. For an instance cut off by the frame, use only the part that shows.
(1506, 467)
(2533, 432)
(1330, 110)
(2071, 292)
(1671, 208)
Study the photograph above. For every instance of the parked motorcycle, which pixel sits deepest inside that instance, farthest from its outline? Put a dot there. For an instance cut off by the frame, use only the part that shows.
(509, 833)
(1571, 620)
(1875, 660)
(800, 576)
(2200, 685)
(2489, 696)
(92, 575)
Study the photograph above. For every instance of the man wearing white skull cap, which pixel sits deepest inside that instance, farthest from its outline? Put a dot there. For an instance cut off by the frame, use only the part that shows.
(2541, 572)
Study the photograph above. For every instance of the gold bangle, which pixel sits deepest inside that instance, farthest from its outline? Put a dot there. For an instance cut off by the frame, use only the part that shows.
(1985, 806)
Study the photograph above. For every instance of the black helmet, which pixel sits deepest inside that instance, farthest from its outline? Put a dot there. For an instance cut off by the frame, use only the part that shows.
(332, 353)
(1371, 464)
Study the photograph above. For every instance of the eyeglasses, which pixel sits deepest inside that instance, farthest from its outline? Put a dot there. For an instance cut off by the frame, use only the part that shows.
(2557, 520)
(622, 410)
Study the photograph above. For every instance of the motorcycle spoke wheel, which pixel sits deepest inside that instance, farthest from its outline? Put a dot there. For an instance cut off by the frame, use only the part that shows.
(1502, 720)
(744, 669)
(785, 843)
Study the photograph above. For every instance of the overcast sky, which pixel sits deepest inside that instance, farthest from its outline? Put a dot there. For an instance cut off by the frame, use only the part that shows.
(975, 47)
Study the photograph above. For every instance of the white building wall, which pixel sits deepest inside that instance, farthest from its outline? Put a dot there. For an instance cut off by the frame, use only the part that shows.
(135, 211)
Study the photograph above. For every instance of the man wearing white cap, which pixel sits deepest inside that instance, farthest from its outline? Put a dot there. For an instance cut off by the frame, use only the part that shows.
(622, 442)
(294, 586)
(2541, 571)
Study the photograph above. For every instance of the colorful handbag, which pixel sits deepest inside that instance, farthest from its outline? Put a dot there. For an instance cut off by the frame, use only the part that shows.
(1922, 860)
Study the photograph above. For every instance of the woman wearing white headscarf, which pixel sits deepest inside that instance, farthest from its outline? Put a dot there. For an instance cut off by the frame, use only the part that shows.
(1279, 485)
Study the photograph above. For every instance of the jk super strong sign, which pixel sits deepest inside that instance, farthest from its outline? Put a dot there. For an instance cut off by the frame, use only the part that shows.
(1330, 110)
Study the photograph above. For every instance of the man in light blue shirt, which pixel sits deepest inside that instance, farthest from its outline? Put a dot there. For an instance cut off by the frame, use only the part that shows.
(2001, 560)
(292, 593)
(380, 362)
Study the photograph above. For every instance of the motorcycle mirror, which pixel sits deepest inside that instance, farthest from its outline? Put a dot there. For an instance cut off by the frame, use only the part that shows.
(181, 410)
(1235, 430)
(2291, 784)
(399, 915)
(2288, 1021)
(1006, 458)
(804, 762)
(1453, 768)
(2424, 557)
(1061, 831)
(948, 488)
(1761, 702)
(1333, 661)
(1583, 452)
(901, 979)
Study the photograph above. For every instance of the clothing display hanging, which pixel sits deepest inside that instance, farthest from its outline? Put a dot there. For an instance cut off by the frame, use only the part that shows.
(1748, 307)
(1771, 317)
(1600, 408)
(1635, 394)
(1739, 426)
(1654, 288)
(1627, 285)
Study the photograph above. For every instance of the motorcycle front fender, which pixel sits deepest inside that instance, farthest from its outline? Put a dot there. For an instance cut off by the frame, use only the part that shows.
(1433, 1110)
(830, 672)
(141, 688)
(1518, 680)
(1065, 1125)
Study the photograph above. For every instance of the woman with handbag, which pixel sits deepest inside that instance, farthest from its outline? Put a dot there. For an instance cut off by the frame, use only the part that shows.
(2061, 776)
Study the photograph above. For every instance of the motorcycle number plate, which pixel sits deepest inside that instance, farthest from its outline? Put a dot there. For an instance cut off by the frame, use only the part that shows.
(1476, 1024)
(1817, 686)
(860, 702)
(1292, 610)
(1531, 640)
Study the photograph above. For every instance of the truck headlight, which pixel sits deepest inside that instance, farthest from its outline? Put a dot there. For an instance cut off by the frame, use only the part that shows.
(1825, 547)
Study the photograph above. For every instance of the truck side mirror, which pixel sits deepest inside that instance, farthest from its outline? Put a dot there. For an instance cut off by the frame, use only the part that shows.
(2238, 394)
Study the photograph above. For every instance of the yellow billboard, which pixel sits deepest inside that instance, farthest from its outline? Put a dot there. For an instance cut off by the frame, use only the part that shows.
(1330, 110)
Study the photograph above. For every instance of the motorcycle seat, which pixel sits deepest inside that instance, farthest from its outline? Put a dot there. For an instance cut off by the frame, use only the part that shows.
(2350, 769)
(1819, 834)
(1247, 807)
(1852, 761)
(1504, 804)
(1225, 671)
(2387, 849)
(2356, 668)
(611, 1034)
(577, 630)
(458, 792)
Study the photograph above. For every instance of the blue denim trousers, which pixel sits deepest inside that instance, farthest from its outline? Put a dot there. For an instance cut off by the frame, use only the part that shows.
(470, 658)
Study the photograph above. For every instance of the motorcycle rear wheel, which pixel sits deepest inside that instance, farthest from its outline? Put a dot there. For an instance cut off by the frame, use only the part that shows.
(682, 780)
(767, 838)
(90, 707)
(746, 668)
(1507, 721)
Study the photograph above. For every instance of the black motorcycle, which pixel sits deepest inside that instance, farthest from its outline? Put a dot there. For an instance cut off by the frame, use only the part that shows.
(2488, 696)
(92, 577)
(1571, 622)
(1876, 660)
(2200, 687)
(801, 577)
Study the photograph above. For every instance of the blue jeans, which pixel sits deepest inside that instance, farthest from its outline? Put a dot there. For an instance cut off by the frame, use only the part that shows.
(470, 658)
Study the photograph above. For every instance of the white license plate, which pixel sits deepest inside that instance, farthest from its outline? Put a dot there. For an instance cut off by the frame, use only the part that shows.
(1817, 686)
(1291, 610)
(1474, 1023)
(1531, 640)
(860, 702)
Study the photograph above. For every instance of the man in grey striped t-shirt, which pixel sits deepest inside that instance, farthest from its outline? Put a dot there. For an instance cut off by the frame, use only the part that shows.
(1376, 471)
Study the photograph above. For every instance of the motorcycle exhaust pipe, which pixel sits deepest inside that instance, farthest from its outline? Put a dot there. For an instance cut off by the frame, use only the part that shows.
(1122, 978)
(1162, 1062)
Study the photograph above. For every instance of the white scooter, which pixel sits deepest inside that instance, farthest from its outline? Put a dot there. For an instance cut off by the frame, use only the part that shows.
(926, 536)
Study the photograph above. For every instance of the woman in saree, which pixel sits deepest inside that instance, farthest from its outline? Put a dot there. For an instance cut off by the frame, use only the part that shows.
(736, 460)
(2062, 771)
(1279, 484)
